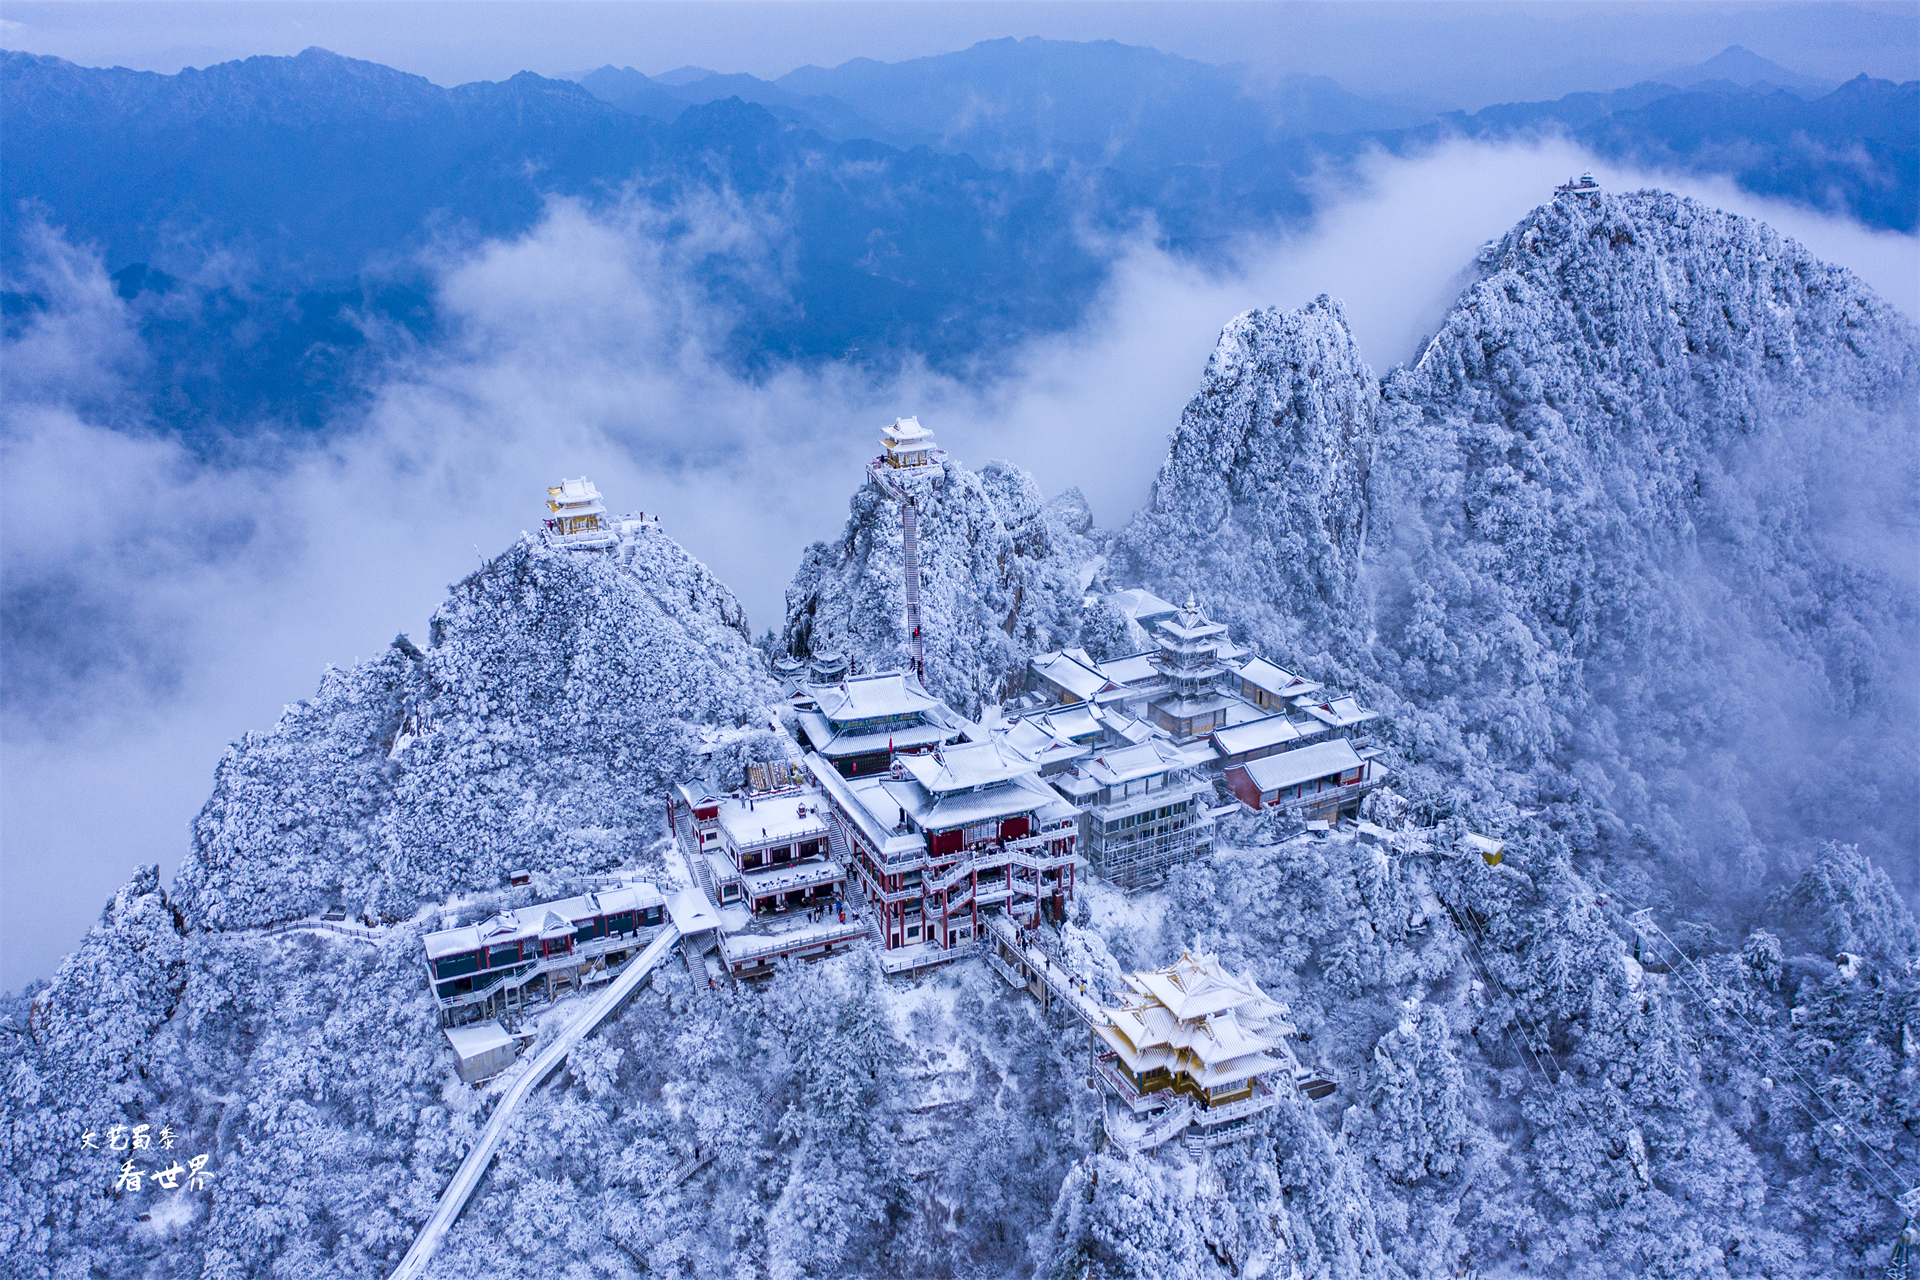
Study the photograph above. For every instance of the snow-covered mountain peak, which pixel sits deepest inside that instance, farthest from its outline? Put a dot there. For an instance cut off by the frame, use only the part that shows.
(1642, 283)
(1259, 503)
(559, 690)
(1628, 471)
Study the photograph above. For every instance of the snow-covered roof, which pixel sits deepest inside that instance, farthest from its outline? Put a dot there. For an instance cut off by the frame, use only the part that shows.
(1186, 708)
(1037, 742)
(1064, 671)
(1256, 735)
(691, 912)
(481, 1037)
(906, 433)
(873, 698)
(1197, 985)
(1262, 674)
(965, 767)
(575, 498)
(1128, 729)
(1340, 713)
(1127, 764)
(531, 922)
(1302, 764)
(1141, 605)
(1190, 626)
(1077, 722)
(698, 796)
(1196, 1018)
(871, 807)
(904, 737)
(1076, 787)
(1485, 846)
(1018, 795)
(780, 819)
(1135, 668)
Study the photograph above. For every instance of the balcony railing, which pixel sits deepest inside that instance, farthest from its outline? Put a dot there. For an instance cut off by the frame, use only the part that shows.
(1127, 1091)
(492, 981)
(1261, 1098)
(741, 948)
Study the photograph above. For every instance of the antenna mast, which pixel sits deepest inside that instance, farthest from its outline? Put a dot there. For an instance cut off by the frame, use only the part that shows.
(909, 451)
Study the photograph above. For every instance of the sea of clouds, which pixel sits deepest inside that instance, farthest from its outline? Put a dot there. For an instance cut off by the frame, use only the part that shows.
(159, 604)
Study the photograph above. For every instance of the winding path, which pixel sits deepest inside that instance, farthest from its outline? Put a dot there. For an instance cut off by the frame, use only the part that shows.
(466, 1178)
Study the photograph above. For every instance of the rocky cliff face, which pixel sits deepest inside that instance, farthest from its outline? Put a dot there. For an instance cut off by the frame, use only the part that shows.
(1622, 521)
(1002, 575)
(1261, 503)
(1628, 510)
(558, 694)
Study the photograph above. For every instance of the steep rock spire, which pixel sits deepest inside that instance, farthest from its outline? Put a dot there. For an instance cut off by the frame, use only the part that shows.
(1261, 500)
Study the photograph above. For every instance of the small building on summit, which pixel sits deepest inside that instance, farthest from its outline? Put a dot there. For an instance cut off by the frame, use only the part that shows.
(862, 722)
(1193, 1041)
(576, 517)
(905, 444)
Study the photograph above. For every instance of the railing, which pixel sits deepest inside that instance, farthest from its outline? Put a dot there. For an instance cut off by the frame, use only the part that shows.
(1005, 970)
(317, 926)
(583, 538)
(1019, 853)
(894, 963)
(1168, 1125)
(738, 947)
(1127, 1091)
(518, 975)
(1332, 797)
(1059, 979)
(1259, 1100)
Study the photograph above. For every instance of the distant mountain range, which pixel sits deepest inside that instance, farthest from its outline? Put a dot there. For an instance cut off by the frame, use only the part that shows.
(934, 207)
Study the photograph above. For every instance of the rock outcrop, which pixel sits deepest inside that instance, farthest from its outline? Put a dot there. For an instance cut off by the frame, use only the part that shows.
(1002, 574)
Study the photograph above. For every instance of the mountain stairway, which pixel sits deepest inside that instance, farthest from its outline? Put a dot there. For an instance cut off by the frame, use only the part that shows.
(466, 1179)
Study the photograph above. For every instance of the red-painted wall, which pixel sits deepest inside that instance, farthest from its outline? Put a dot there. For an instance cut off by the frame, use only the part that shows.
(1243, 788)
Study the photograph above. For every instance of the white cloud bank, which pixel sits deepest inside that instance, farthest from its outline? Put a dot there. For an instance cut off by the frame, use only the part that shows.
(174, 605)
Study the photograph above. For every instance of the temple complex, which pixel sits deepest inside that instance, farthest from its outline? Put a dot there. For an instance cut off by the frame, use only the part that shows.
(1218, 714)
(944, 836)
